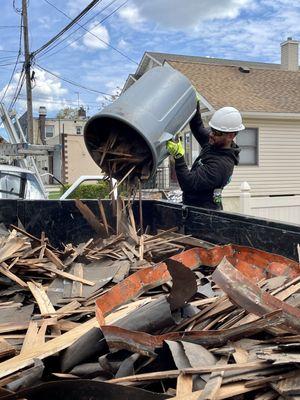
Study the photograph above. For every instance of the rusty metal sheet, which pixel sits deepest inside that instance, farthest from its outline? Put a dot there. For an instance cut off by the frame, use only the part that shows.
(145, 344)
(141, 281)
(246, 294)
(254, 263)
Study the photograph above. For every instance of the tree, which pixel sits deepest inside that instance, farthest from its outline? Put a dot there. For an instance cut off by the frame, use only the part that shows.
(112, 97)
(68, 113)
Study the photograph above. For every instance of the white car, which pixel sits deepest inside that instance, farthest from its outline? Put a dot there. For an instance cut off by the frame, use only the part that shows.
(19, 183)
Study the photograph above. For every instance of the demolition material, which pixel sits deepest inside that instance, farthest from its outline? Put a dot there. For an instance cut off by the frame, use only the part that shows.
(131, 133)
(176, 317)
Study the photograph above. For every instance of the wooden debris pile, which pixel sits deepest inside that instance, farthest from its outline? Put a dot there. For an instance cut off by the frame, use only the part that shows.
(134, 315)
(119, 155)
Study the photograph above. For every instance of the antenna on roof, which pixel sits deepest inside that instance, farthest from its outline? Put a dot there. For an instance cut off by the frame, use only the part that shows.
(244, 70)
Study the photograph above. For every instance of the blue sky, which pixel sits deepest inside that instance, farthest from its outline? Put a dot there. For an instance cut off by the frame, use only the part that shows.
(232, 29)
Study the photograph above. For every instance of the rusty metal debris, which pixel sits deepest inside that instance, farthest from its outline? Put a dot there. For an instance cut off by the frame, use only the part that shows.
(159, 312)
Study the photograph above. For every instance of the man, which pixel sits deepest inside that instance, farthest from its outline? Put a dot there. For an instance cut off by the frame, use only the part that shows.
(202, 185)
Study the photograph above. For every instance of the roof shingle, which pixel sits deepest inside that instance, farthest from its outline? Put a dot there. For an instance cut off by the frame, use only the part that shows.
(260, 90)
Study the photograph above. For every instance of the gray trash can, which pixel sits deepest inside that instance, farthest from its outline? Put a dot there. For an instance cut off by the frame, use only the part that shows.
(130, 134)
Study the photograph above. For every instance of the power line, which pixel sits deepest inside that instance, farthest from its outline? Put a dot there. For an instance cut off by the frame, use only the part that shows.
(18, 89)
(8, 26)
(97, 37)
(72, 33)
(9, 51)
(72, 82)
(73, 21)
(69, 101)
(17, 60)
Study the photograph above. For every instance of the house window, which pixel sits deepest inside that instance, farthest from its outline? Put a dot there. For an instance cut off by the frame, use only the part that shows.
(78, 130)
(247, 140)
(49, 131)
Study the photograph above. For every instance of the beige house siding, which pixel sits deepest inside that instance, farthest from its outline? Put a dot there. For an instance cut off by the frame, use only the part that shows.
(77, 159)
(278, 169)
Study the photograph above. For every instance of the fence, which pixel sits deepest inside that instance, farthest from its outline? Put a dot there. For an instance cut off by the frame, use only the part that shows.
(164, 179)
(280, 208)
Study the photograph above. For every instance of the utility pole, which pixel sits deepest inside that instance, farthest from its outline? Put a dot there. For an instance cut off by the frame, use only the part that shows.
(27, 73)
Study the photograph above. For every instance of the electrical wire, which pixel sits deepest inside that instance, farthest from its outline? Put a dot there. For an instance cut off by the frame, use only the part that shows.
(8, 26)
(66, 28)
(12, 63)
(97, 37)
(8, 51)
(72, 82)
(50, 99)
(72, 33)
(18, 89)
(17, 60)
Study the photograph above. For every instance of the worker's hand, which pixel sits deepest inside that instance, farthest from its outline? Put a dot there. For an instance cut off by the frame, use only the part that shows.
(175, 148)
(198, 97)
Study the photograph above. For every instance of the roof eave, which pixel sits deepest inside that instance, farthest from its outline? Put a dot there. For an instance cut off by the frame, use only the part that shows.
(270, 115)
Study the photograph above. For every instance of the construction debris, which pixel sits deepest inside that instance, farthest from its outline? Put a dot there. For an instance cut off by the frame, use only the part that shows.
(130, 314)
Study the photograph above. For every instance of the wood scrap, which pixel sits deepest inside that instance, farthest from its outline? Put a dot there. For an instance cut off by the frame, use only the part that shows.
(200, 331)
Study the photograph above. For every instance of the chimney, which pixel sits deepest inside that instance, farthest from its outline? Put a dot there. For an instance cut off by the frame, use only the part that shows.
(81, 113)
(42, 121)
(290, 54)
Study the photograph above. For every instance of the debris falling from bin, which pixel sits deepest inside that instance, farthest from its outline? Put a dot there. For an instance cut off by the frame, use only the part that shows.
(118, 150)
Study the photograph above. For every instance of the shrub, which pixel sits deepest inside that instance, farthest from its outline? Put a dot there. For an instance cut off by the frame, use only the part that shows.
(90, 191)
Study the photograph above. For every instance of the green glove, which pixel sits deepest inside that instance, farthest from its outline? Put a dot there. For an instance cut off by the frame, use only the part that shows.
(198, 96)
(175, 148)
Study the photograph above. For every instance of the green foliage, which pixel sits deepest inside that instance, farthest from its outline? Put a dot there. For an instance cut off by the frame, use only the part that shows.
(90, 191)
(68, 113)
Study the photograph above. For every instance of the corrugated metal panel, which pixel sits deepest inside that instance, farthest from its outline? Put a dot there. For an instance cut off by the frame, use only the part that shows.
(278, 172)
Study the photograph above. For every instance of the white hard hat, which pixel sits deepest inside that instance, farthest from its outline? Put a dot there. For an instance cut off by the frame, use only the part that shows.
(227, 119)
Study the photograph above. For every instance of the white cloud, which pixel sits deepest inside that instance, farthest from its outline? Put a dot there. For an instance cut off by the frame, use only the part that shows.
(123, 44)
(75, 6)
(180, 14)
(98, 31)
(48, 92)
(131, 14)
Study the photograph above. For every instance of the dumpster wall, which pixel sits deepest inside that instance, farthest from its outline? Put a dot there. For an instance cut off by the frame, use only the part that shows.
(63, 223)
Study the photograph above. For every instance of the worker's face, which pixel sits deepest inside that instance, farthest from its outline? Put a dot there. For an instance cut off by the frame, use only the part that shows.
(220, 139)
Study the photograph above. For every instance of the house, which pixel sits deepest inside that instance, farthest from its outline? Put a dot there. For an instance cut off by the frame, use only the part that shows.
(268, 97)
(72, 160)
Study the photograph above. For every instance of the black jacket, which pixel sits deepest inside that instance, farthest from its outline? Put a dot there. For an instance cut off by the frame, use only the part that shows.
(211, 170)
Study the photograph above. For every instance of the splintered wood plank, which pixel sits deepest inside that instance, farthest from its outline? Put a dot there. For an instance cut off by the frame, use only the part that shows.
(6, 349)
(45, 307)
(103, 216)
(225, 392)
(53, 257)
(12, 276)
(41, 298)
(62, 342)
(240, 355)
(68, 275)
(30, 338)
(76, 290)
(184, 385)
(31, 236)
(12, 246)
(212, 387)
(150, 376)
(289, 386)
(90, 217)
